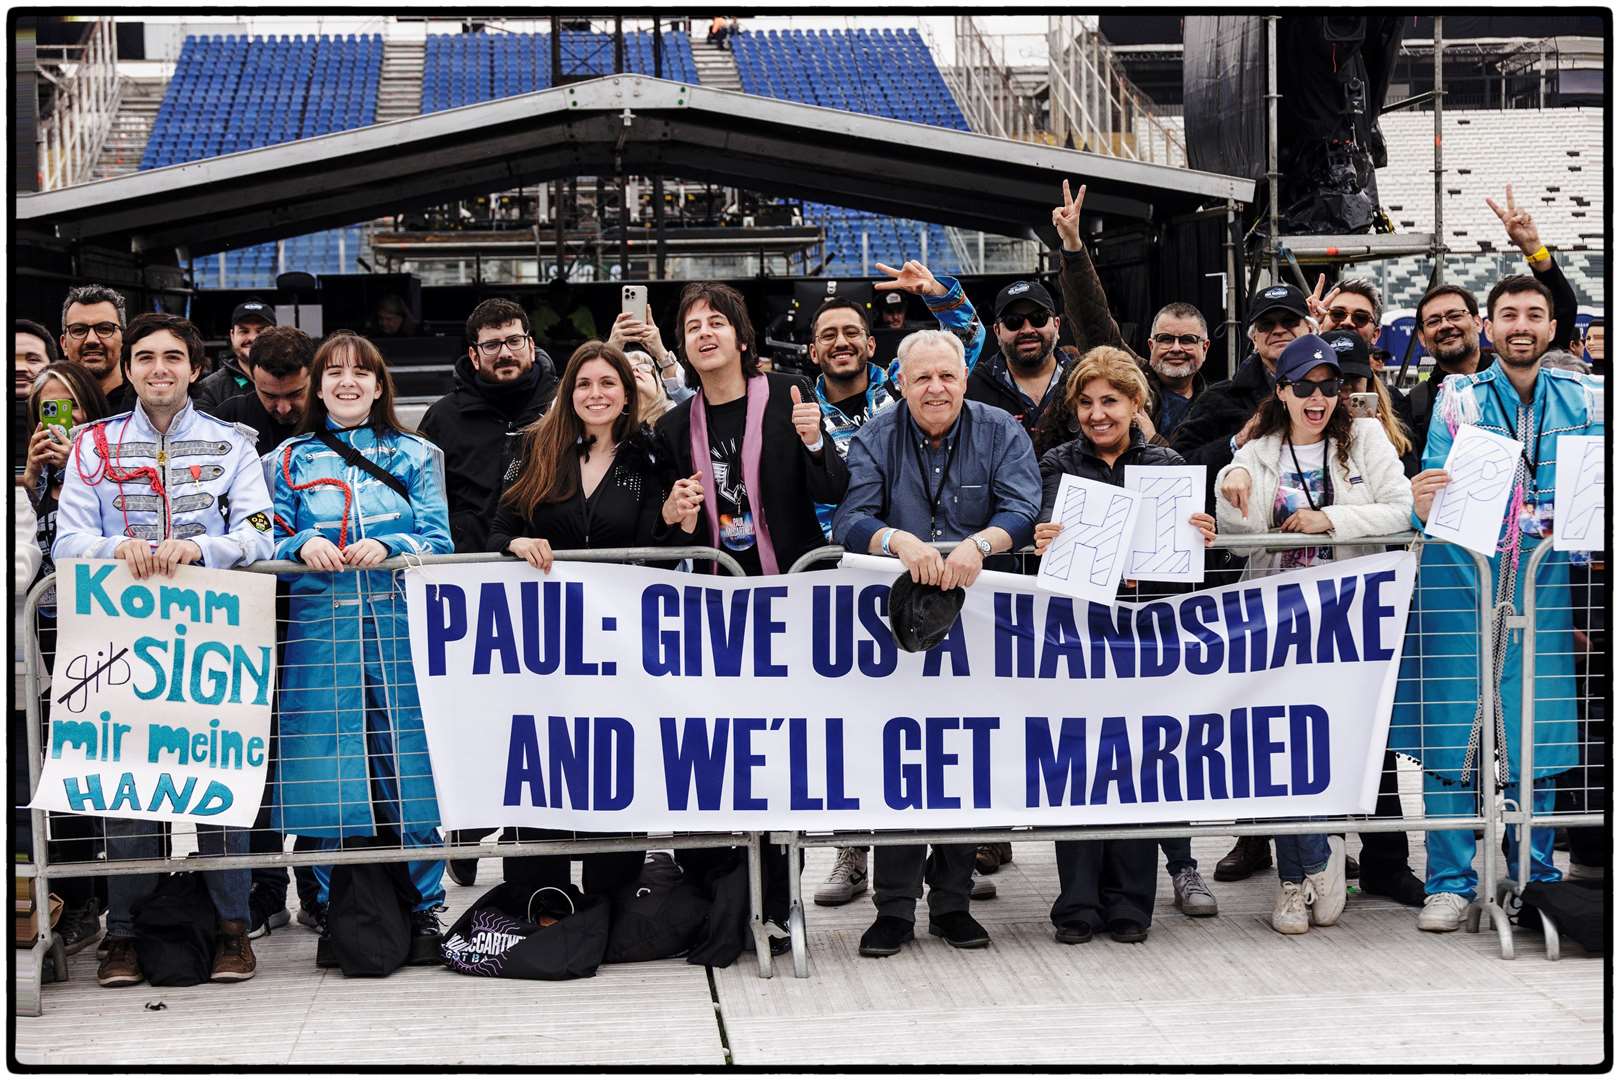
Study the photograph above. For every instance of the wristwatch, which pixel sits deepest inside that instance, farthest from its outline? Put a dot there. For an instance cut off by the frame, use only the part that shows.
(985, 548)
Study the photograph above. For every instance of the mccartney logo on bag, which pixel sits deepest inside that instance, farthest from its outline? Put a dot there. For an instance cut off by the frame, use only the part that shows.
(482, 952)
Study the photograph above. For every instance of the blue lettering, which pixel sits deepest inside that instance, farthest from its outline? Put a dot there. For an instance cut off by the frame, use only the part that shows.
(937, 759)
(523, 763)
(1062, 767)
(764, 630)
(955, 646)
(835, 798)
(615, 763)
(1336, 640)
(82, 800)
(1160, 640)
(1014, 635)
(1207, 655)
(570, 761)
(1113, 767)
(574, 662)
(446, 622)
(693, 758)
(902, 781)
(1108, 636)
(1205, 732)
(1062, 641)
(879, 656)
(980, 727)
(1372, 613)
(88, 585)
(147, 651)
(178, 800)
(541, 645)
(1160, 735)
(1292, 626)
(832, 649)
(1312, 771)
(1265, 748)
(1245, 619)
(660, 648)
(744, 761)
(798, 757)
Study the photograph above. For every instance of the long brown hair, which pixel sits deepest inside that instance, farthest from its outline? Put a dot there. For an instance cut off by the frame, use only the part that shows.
(550, 451)
(1274, 419)
(367, 357)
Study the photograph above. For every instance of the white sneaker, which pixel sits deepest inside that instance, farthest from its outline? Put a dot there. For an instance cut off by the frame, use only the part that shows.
(847, 879)
(1290, 916)
(1326, 892)
(1442, 912)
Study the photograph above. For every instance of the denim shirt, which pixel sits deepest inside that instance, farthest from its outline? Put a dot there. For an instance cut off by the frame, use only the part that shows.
(993, 479)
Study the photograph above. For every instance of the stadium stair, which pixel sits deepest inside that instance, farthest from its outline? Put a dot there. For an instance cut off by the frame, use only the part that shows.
(716, 67)
(399, 95)
(138, 103)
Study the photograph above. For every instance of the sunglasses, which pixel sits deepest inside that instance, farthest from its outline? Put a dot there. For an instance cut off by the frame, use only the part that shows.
(1304, 388)
(1342, 315)
(1268, 323)
(1036, 319)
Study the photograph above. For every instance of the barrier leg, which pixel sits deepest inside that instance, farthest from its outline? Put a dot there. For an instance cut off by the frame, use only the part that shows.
(796, 927)
(1554, 945)
(756, 902)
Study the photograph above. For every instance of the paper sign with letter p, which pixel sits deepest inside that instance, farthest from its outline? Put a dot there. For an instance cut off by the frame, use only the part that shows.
(1167, 546)
(1088, 557)
(1469, 510)
(160, 694)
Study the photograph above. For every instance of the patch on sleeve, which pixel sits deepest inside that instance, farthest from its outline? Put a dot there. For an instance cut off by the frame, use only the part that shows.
(260, 521)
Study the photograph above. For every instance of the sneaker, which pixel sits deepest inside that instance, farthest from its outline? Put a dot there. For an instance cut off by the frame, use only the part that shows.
(313, 916)
(79, 927)
(1249, 855)
(268, 911)
(847, 879)
(425, 934)
(983, 888)
(1193, 896)
(121, 967)
(1074, 933)
(886, 936)
(233, 953)
(1325, 891)
(959, 930)
(1443, 912)
(1290, 916)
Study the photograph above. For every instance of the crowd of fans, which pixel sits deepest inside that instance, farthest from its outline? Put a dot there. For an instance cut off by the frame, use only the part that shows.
(948, 460)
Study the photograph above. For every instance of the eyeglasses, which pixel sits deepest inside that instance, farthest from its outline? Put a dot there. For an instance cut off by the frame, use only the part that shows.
(492, 348)
(1270, 322)
(1036, 319)
(1304, 388)
(1440, 318)
(103, 330)
(1185, 341)
(1359, 318)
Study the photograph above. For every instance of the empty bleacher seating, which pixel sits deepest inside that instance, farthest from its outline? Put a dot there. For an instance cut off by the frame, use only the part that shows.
(464, 69)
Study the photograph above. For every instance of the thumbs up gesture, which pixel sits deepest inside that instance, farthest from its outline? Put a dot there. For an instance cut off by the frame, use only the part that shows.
(806, 419)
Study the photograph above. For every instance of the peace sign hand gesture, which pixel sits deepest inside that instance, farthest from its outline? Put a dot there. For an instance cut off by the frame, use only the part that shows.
(1519, 224)
(913, 277)
(1065, 218)
(1319, 305)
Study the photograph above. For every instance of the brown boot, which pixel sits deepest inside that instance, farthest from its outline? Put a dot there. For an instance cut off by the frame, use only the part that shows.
(121, 967)
(1249, 855)
(233, 953)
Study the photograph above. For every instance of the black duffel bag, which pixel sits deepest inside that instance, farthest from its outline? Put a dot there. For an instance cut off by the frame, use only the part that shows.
(174, 931)
(1577, 908)
(660, 915)
(368, 917)
(515, 933)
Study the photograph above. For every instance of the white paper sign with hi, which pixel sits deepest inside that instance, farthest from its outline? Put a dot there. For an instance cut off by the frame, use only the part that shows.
(1087, 558)
(1167, 546)
(160, 695)
(1469, 510)
(1581, 505)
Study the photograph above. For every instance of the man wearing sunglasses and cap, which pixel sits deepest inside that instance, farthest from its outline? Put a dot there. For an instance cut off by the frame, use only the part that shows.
(1026, 373)
(250, 319)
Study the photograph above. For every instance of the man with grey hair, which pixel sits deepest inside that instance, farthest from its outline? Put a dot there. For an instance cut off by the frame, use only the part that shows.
(93, 320)
(935, 469)
(1354, 304)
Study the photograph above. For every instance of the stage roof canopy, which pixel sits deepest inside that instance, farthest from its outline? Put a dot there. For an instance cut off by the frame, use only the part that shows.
(640, 125)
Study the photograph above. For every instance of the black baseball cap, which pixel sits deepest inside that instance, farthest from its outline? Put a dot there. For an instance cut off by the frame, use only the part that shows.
(893, 299)
(1273, 297)
(252, 309)
(1032, 291)
(921, 616)
(1354, 355)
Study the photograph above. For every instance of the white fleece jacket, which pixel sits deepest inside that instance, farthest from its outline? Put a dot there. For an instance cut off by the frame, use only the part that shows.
(1370, 498)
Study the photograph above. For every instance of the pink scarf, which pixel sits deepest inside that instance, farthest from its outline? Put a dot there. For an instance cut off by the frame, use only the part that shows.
(757, 393)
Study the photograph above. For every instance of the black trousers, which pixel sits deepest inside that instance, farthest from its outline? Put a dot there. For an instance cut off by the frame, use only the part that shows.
(702, 863)
(1105, 880)
(1385, 854)
(898, 872)
(603, 871)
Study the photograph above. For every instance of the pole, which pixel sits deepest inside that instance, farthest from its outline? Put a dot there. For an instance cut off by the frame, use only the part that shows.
(1273, 242)
(660, 247)
(657, 56)
(1231, 294)
(1438, 247)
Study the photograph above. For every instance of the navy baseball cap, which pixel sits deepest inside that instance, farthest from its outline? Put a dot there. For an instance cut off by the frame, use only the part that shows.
(1305, 353)
(1272, 297)
(1354, 355)
(1032, 291)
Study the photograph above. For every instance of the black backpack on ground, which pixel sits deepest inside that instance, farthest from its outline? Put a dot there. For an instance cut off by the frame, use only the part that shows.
(368, 917)
(513, 932)
(660, 915)
(1576, 908)
(174, 931)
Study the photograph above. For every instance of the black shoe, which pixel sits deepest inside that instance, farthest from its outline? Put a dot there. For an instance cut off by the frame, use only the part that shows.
(462, 871)
(79, 926)
(313, 916)
(425, 933)
(781, 942)
(959, 930)
(1074, 933)
(324, 956)
(1127, 930)
(1351, 867)
(1402, 886)
(1249, 855)
(886, 936)
(267, 911)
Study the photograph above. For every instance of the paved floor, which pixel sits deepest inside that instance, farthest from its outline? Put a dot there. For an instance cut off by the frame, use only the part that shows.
(1372, 990)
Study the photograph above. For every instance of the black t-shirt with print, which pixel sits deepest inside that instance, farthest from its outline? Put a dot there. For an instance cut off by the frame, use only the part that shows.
(731, 499)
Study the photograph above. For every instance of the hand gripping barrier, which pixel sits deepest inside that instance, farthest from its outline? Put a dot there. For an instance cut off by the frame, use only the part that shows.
(1389, 818)
(45, 959)
(1564, 725)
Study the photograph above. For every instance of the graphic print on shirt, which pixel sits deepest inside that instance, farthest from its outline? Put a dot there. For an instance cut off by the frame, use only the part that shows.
(1291, 497)
(731, 496)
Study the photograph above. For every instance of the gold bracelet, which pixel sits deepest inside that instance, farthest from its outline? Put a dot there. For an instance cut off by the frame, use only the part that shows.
(1539, 255)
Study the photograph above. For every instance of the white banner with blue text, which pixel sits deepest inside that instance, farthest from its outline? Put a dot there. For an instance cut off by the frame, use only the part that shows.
(160, 694)
(619, 698)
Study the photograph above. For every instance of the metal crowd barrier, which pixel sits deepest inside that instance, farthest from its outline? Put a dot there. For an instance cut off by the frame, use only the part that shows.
(1485, 909)
(1565, 669)
(32, 965)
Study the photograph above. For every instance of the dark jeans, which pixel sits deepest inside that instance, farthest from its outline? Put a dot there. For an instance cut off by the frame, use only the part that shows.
(898, 872)
(1177, 854)
(603, 871)
(1105, 880)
